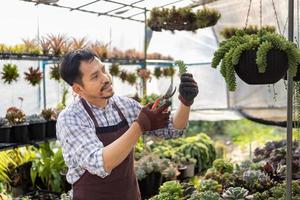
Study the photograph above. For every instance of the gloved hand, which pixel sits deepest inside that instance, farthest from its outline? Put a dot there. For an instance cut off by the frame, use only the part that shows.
(188, 89)
(150, 120)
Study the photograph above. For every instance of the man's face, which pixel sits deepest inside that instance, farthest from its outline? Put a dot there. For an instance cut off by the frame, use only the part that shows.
(96, 82)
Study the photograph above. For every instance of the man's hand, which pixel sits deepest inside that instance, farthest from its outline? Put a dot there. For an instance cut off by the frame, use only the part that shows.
(188, 89)
(153, 119)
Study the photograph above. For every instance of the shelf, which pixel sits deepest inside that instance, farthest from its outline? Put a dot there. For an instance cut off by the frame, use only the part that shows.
(6, 146)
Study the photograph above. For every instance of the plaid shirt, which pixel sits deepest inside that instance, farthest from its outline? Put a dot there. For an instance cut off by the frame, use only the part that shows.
(82, 150)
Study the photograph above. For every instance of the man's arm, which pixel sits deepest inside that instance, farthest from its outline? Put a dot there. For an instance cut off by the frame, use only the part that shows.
(181, 116)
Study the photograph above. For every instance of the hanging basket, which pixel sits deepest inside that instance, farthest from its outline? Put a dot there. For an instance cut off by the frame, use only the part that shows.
(277, 66)
(295, 78)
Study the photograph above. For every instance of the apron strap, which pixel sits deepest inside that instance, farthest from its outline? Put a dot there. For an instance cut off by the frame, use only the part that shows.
(89, 111)
(119, 111)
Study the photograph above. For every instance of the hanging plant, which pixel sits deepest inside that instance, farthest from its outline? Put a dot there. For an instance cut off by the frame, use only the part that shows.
(169, 71)
(123, 75)
(114, 69)
(33, 76)
(182, 19)
(157, 72)
(144, 73)
(9, 73)
(131, 78)
(49, 114)
(252, 29)
(54, 72)
(261, 58)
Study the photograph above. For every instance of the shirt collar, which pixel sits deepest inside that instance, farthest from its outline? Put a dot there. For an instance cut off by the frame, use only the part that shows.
(109, 105)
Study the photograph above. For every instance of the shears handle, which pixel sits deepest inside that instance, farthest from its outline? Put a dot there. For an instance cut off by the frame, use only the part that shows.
(155, 104)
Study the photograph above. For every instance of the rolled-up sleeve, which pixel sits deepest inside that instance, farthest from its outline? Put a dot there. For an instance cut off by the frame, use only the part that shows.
(80, 144)
(168, 132)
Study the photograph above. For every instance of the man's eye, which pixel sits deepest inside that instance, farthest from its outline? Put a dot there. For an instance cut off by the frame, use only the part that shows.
(95, 77)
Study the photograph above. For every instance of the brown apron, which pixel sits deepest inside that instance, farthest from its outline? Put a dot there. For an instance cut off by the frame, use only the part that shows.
(121, 184)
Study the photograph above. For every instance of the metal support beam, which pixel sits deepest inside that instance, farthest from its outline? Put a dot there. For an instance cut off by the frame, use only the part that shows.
(87, 4)
(290, 109)
(123, 6)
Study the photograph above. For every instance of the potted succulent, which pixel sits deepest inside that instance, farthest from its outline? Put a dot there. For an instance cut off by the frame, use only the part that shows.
(114, 69)
(144, 73)
(9, 73)
(236, 193)
(31, 47)
(54, 72)
(182, 19)
(33, 76)
(45, 45)
(5, 130)
(16, 118)
(131, 78)
(261, 58)
(99, 49)
(157, 72)
(207, 195)
(186, 167)
(123, 75)
(170, 190)
(50, 116)
(57, 42)
(148, 170)
(168, 71)
(37, 127)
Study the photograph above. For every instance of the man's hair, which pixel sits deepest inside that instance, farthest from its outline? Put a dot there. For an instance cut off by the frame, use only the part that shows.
(70, 64)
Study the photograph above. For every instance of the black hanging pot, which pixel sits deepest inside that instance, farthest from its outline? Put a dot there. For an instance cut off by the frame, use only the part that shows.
(277, 65)
(297, 77)
(51, 129)
(37, 131)
(5, 134)
(20, 134)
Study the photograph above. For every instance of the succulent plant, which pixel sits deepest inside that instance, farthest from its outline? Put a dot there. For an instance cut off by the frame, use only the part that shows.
(131, 78)
(223, 166)
(4, 123)
(15, 116)
(123, 75)
(207, 195)
(9, 73)
(211, 185)
(114, 69)
(182, 67)
(237, 193)
(49, 114)
(157, 72)
(255, 180)
(33, 76)
(54, 72)
(32, 119)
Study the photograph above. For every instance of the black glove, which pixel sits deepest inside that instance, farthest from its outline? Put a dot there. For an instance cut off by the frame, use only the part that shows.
(153, 119)
(188, 89)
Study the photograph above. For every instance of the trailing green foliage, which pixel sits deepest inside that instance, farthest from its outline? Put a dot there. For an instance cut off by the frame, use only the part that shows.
(230, 51)
(252, 29)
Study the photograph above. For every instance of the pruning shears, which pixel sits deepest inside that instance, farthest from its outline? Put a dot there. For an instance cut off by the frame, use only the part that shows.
(164, 98)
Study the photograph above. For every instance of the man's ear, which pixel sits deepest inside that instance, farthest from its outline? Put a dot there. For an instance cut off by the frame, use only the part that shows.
(77, 88)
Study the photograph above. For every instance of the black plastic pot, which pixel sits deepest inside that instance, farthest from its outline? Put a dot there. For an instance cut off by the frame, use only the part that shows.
(149, 186)
(5, 135)
(277, 65)
(37, 131)
(51, 129)
(20, 134)
(297, 77)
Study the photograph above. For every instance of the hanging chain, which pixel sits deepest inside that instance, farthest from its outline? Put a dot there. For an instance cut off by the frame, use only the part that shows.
(260, 13)
(248, 13)
(277, 18)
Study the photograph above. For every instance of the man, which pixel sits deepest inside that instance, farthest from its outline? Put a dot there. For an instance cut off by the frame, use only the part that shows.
(99, 130)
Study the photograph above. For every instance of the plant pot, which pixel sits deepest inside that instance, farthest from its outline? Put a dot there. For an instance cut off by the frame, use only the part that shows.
(277, 65)
(297, 77)
(156, 179)
(51, 129)
(5, 134)
(20, 134)
(37, 131)
(149, 186)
